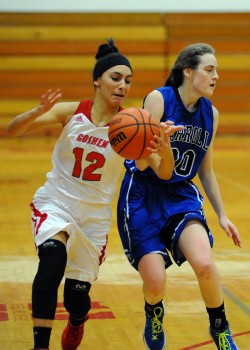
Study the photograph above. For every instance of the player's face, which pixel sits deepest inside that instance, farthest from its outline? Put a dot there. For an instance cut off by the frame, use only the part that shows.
(204, 78)
(114, 84)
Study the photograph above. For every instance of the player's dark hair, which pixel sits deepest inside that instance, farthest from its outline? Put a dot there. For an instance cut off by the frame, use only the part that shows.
(108, 56)
(106, 49)
(188, 58)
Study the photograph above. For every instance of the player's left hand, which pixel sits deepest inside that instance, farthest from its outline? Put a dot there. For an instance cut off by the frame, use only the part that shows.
(170, 128)
(231, 230)
(161, 143)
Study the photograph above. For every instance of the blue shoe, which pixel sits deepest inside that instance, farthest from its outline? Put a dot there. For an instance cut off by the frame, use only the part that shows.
(154, 336)
(223, 339)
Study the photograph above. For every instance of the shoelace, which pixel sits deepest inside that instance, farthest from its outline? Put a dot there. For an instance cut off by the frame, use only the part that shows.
(156, 324)
(224, 343)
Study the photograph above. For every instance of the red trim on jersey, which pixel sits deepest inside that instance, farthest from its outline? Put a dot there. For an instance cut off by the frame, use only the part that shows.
(85, 108)
(103, 252)
(38, 218)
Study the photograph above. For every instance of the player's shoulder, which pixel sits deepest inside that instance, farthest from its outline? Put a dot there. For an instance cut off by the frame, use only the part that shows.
(153, 95)
(66, 106)
(215, 112)
(64, 111)
(215, 118)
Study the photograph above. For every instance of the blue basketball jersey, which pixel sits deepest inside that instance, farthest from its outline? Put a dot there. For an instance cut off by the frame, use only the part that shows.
(189, 145)
(151, 212)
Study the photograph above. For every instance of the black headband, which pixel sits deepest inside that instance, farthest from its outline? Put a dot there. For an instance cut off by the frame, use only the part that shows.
(111, 60)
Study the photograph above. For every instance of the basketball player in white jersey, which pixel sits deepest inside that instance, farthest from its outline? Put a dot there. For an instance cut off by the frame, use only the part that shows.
(71, 213)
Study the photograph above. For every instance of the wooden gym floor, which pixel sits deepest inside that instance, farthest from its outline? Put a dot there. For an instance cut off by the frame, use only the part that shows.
(117, 316)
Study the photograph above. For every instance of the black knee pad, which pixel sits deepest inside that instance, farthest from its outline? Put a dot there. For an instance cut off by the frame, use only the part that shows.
(76, 298)
(53, 258)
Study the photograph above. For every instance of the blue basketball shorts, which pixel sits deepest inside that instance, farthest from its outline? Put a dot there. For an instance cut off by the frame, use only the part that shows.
(151, 218)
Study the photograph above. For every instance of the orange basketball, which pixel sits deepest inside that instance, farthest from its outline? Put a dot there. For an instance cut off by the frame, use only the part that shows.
(130, 132)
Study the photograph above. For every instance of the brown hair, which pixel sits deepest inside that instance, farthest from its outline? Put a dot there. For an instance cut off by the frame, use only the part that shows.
(188, 58)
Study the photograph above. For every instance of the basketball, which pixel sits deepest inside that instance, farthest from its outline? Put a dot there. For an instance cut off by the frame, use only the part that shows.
(130, 132)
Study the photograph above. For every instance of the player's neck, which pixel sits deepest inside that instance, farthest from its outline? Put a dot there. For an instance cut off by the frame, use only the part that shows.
(101, 115)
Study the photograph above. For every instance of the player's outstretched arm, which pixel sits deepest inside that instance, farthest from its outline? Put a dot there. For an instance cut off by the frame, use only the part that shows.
(212, 190)
(22, 123)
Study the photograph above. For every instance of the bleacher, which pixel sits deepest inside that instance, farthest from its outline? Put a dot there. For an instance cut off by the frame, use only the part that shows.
(40, 51)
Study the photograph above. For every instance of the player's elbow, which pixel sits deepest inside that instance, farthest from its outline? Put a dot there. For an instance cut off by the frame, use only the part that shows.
(141, 164)
(166, 175)
(13, 131)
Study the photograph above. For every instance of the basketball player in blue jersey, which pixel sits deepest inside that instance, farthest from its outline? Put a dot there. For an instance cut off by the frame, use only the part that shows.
(161, 221)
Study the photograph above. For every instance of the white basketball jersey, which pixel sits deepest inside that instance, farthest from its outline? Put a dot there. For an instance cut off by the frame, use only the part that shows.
(85, 167)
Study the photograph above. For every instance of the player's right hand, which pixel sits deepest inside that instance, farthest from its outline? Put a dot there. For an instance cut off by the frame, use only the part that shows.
(49, 99)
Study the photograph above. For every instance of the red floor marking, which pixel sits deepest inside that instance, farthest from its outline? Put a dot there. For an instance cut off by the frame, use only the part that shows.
(3, 313)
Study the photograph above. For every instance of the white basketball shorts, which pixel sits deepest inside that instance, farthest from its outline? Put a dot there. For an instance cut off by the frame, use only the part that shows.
(87, 227)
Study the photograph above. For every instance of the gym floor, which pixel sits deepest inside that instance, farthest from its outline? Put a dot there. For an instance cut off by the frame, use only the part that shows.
(117, 315)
